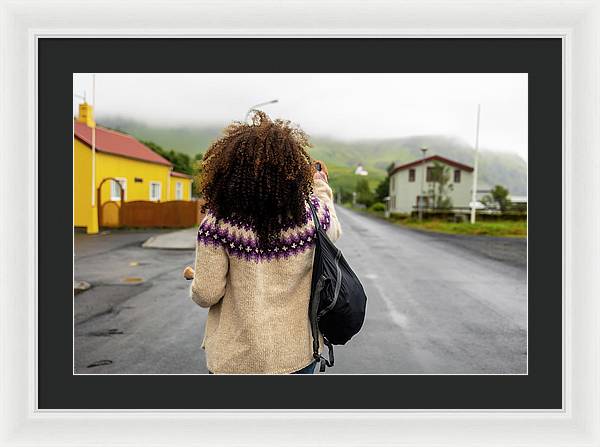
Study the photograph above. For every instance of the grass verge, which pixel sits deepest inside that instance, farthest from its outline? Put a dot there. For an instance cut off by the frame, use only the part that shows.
(499, 228)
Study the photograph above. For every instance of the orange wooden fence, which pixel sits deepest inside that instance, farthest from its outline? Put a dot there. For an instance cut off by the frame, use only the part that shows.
(146, 214)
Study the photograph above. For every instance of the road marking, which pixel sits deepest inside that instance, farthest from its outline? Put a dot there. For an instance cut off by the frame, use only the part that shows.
(399, 319)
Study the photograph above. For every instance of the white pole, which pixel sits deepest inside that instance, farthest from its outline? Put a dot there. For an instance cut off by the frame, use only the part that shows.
(475, 167)
(421, 201)
(94, 140)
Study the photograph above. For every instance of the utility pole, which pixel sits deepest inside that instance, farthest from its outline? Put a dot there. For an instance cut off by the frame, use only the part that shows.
(94, 141)
(423, 173)
(94, 225)
(475, 167)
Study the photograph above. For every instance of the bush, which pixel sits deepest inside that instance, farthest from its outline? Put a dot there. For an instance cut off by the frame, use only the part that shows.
(399, 216)
(364, 195)
(506, 215)
(435, 214)
(377, 207)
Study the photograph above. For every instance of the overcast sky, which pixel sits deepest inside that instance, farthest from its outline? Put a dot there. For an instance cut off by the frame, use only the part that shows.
(342, 105)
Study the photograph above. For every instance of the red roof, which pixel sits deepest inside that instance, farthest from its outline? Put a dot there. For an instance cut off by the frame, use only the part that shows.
(180, 174)
(432, 158)
(117, 143)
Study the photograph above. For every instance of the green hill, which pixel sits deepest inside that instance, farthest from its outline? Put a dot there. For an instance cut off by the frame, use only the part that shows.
(503, 168)
(187, 139)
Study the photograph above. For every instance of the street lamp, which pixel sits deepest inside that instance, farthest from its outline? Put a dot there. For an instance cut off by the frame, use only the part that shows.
(255, 106)
(422, 196)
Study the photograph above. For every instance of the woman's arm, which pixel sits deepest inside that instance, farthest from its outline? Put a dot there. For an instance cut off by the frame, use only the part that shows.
(210, 273)
(323, 191)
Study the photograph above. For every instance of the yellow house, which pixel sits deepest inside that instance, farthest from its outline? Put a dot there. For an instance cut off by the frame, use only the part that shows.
(118, 159)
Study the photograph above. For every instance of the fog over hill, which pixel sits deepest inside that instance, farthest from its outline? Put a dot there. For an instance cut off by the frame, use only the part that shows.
(496, 168)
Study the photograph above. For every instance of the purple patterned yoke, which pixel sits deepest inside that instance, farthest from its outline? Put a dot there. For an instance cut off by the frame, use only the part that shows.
(246, 247)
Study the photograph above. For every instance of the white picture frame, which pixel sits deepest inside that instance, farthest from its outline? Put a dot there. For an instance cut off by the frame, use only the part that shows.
(577, 23)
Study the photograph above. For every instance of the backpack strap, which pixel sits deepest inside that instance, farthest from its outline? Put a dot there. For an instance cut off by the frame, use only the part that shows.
(322, 360)
(315, 217)
(314, 305)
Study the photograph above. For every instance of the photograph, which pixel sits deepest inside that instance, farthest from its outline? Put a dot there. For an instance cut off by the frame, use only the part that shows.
(396, 199)
(300, 223)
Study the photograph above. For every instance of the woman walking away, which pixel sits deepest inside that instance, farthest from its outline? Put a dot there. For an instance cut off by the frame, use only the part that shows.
(255, 248)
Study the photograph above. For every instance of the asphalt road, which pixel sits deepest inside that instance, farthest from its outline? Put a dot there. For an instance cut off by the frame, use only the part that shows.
(437, 305)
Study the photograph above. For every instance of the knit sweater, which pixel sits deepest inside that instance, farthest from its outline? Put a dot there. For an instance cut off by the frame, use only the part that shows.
(258, 298)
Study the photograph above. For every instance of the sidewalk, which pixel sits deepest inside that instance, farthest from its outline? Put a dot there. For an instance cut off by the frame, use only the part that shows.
(176, 240)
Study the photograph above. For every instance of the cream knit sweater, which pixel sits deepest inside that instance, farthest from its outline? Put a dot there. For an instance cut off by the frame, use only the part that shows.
(258, 318)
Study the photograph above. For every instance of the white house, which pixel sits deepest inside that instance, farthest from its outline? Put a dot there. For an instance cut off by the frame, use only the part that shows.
(407, 183)
(360, 170)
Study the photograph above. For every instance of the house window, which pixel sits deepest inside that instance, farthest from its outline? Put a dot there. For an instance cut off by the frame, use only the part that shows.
(155, 191)
(115, 191)
(392, 181)
(178, 191)
(434, 173)
(430, 174)
(411, 175)
(457, 176)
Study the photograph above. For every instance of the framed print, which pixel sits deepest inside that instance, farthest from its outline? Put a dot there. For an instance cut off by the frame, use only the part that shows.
(456, 165)
(516, 366)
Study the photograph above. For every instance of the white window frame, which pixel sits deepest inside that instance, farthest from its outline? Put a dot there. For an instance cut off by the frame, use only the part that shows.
(150, 184)
(123, 182)
(459, 176)
(178, 190)
(414, 171)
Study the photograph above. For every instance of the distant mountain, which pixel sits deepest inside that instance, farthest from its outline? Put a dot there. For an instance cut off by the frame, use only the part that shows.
(496, 168)
(188, 139)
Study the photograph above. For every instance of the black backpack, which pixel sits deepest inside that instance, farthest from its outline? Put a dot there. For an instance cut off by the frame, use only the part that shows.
(337, 301)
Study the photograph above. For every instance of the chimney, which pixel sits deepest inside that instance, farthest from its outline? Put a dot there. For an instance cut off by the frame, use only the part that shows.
(86, 114)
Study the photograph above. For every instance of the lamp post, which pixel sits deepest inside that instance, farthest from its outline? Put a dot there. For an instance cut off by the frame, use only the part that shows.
(255, 106)
(422, 196)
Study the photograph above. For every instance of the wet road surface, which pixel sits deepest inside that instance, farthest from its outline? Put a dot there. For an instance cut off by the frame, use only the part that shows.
(437, 304)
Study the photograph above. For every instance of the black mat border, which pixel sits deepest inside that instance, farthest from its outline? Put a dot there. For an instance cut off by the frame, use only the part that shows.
(59, 58)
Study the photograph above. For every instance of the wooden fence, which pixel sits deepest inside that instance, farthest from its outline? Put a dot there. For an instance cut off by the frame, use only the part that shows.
(147, 214)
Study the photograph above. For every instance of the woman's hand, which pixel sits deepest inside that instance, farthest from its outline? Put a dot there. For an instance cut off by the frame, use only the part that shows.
(322, 174)
(188, 273)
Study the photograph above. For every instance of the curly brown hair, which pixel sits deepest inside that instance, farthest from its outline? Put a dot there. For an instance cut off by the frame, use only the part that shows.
(260, 174)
